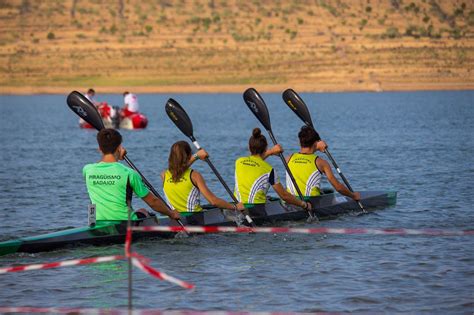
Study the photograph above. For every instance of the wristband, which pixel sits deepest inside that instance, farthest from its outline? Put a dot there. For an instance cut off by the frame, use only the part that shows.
(195, 156)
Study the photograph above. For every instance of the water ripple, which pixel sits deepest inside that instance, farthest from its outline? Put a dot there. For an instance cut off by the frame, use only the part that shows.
(380, 140)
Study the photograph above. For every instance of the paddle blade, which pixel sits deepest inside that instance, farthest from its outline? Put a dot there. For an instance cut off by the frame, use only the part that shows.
(178, 115)
(83, 108)
(297, 105)
(256, 104)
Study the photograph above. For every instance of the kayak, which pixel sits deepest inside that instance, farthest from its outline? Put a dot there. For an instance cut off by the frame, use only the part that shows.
(113, 232)
(113, 119)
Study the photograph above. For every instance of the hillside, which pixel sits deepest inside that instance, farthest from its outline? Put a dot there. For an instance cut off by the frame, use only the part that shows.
(216, 45)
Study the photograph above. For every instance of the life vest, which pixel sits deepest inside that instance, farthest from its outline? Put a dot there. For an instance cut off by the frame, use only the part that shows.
(306, 173)
(253, 178)
(182, 195)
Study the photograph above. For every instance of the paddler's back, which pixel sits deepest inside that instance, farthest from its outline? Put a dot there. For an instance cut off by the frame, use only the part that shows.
(107, 187)
(253, 178)
(182, 194)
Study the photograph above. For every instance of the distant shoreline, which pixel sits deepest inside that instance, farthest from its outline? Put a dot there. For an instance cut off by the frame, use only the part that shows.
(321, 88)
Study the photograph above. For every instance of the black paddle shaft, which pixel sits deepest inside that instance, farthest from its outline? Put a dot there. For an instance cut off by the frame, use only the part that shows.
(292, 178)
(180, 118)
(219, 177)
(257, 106)
(152, 189)
(145, 181)
(214, 170)
(344, 179)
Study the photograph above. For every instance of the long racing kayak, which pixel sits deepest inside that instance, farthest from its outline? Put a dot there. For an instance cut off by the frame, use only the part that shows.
(113, 232)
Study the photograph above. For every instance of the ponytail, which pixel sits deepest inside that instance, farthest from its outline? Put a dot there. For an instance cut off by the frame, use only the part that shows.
(178, 160)
(257, 142)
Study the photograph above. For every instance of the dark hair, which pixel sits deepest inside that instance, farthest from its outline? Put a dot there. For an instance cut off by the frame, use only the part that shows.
(125, 93)
(89, 91)
(308, 136)
(257, 142)
(178, 160)
(109, 140)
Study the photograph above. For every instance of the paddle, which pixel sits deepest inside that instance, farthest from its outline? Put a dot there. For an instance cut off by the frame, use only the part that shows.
(180, 118)
(298, 106)
(258, 107)
(80, 105)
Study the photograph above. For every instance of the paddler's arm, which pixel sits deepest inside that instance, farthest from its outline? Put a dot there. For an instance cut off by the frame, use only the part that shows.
(201, 154)
(198, 180)
(159, 206)
(325, 168)
(321, 146)
(154, 202)
(289, 198)
(275, 150)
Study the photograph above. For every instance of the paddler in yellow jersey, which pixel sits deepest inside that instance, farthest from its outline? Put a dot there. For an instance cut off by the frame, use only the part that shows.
(182, 185)
(254, 176)
(108, 181)
(307, 168)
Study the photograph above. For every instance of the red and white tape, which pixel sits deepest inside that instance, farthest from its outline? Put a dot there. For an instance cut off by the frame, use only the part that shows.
(59, 310)
(368, 231)
(142, 263)
(115, 311)
(128, 242)
(139, 261)
(160, 275)
(65, 263)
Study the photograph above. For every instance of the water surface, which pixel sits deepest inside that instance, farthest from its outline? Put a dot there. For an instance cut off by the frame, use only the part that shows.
(420, 144)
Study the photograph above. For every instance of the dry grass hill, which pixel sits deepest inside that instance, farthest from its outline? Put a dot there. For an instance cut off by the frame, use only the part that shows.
(218, 45)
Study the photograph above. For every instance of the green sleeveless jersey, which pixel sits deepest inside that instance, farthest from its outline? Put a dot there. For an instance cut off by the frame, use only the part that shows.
(182, 195)
(306, 173)
(253, 178)
(107, 188)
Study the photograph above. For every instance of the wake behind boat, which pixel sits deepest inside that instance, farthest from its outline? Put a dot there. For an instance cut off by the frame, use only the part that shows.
(326, 206)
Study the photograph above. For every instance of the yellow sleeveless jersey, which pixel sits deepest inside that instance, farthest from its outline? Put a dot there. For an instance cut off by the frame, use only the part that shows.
(253, 178)
(182, 195)
(306, 173)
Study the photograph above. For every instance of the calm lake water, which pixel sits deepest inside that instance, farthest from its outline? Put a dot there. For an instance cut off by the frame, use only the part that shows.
(420, 144)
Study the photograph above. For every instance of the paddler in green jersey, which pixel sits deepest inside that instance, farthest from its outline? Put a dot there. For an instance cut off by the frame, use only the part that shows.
(254, 176)
(307, 167)
(108, 179)
(182, 185)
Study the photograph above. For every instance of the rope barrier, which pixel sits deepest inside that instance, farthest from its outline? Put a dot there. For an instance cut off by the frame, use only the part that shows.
(115, 311)
(142, 262)
(161, 275)
(65, 263)
(139, 261)
(321, 230)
